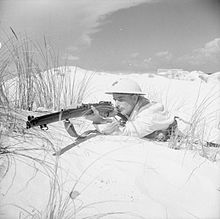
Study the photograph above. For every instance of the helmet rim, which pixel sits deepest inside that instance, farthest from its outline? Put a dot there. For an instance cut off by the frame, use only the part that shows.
(125, 86)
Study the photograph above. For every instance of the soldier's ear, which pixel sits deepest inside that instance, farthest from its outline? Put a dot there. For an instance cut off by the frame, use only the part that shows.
(135, 97)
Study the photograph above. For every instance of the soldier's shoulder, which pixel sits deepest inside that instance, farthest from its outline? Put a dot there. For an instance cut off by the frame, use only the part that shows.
(155, 106)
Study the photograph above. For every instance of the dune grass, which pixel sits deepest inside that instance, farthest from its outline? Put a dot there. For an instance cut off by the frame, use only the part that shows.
(30, 79)
(35, 77)
(194, 137)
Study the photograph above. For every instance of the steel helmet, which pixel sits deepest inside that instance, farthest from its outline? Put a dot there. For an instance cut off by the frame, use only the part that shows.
(125, 86)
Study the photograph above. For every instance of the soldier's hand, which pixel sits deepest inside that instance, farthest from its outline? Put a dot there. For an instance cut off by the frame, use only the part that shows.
(111, 127)
(96, 117)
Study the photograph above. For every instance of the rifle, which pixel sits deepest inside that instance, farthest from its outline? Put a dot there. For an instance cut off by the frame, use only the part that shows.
(104, 108)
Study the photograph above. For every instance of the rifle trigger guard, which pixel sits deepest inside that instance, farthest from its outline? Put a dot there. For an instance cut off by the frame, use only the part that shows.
(44, 127)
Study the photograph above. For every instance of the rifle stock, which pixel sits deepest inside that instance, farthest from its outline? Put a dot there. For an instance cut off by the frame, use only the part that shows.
(104, 107)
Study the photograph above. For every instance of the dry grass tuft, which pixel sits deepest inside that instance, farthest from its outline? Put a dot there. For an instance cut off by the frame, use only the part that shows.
(30, 78)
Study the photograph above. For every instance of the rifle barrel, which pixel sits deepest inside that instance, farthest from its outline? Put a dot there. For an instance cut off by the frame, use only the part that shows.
(85, 109)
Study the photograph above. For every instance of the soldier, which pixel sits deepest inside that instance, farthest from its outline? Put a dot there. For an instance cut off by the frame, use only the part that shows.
(144, 118)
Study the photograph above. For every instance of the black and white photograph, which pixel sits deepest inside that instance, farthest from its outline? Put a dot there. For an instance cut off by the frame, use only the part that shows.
(109, 109)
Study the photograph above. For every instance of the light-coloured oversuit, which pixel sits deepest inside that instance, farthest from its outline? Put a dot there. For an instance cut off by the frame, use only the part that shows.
(146, 118)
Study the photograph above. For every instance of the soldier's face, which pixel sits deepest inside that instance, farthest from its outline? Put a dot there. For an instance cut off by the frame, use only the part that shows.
(125, 103)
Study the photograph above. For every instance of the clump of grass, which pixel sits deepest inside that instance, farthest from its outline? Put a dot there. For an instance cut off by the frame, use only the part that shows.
(193, 137)
(36, 80)
(17, 58)
(30, 77)
(60, 88)
(33, 148)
